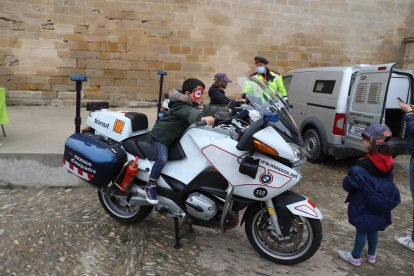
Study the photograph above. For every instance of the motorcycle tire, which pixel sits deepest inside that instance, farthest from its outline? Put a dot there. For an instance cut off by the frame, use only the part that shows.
(285, 258)
(110, 208)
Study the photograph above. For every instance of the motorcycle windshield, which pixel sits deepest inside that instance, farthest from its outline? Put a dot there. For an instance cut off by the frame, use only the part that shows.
(263, 100)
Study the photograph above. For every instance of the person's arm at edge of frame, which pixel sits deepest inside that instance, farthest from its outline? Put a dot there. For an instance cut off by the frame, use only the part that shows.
(409, 117)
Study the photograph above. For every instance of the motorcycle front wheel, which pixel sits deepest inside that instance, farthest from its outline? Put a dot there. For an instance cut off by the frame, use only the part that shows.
(112, 202)
(303, 241)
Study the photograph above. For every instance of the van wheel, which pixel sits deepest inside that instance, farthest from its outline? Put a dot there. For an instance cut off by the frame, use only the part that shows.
(313, 146)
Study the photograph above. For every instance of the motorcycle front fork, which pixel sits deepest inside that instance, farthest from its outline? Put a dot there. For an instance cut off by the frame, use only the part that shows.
(273, 217)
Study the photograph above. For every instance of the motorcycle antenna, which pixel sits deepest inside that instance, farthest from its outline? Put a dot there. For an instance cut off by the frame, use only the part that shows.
(161, 74)
(79, 79)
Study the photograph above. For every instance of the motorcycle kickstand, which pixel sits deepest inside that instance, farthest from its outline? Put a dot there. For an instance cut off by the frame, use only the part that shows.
(177, 244)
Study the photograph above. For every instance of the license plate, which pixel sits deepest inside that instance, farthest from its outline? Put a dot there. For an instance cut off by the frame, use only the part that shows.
(352, 130)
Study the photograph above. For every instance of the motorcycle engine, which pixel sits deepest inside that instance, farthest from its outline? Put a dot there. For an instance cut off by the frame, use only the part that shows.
(200, 206)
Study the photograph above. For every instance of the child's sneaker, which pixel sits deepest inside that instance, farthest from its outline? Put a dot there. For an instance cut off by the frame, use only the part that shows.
(405, 241)
(347, 256)
(151, 193)
(371, 258)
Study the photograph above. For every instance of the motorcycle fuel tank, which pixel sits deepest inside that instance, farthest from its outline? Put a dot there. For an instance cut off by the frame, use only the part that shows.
(93, 159)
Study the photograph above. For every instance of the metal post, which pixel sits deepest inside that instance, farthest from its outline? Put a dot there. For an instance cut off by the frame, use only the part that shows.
(78, 119)
(161, 74)
(228, 204)
(79, 79)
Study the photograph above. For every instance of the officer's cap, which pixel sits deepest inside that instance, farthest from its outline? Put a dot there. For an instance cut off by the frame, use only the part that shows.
(260, 60)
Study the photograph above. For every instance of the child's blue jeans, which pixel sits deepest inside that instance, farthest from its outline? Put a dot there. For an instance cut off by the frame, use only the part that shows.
(162, 157)
(360, 240)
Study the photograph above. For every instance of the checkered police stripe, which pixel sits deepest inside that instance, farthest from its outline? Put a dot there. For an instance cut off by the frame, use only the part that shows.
(76, 171)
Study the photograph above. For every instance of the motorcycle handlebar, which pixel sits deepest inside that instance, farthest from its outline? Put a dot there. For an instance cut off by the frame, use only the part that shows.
(201, 123)
(204, 123)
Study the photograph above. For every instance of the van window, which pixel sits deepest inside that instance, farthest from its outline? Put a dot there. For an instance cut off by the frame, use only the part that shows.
(324, 86)
(286, 82)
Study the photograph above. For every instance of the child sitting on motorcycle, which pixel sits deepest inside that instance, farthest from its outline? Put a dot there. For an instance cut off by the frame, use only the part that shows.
(371, 193)
(184, 110)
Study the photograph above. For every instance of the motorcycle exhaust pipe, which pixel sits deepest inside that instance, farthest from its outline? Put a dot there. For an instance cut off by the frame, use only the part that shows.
(139, 198)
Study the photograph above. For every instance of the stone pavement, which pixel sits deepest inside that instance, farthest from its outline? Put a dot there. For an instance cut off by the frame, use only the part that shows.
(65, 231)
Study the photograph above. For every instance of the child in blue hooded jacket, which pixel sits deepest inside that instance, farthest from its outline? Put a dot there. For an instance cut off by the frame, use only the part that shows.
(371, 193)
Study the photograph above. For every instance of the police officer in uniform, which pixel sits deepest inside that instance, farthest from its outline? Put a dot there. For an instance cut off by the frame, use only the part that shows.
(274, 79)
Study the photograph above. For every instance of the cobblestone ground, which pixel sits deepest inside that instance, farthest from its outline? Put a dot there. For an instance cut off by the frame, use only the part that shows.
(59, 231)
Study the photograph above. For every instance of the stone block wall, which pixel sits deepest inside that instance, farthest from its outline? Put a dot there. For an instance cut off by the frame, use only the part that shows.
(120, 45)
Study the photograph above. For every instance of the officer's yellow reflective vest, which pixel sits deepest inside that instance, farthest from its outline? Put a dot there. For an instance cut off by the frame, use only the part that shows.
(275, 85)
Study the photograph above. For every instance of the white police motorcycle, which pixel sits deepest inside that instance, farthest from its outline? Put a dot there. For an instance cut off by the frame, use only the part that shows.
(213, 173)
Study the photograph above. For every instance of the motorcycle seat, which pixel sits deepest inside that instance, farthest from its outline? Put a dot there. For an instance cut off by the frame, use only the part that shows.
(141, 146)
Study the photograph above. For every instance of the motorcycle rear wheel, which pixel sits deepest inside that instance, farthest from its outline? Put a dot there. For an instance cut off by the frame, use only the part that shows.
(119, 212)
(302, 243)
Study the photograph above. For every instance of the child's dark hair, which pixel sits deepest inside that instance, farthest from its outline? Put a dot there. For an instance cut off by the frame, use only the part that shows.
(191, 84)
(382, 149)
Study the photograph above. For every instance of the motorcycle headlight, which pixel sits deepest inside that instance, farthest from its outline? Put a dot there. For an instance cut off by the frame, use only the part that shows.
(299, 155)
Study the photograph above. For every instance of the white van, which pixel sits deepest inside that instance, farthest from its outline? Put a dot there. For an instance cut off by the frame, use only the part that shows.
(330, 103)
